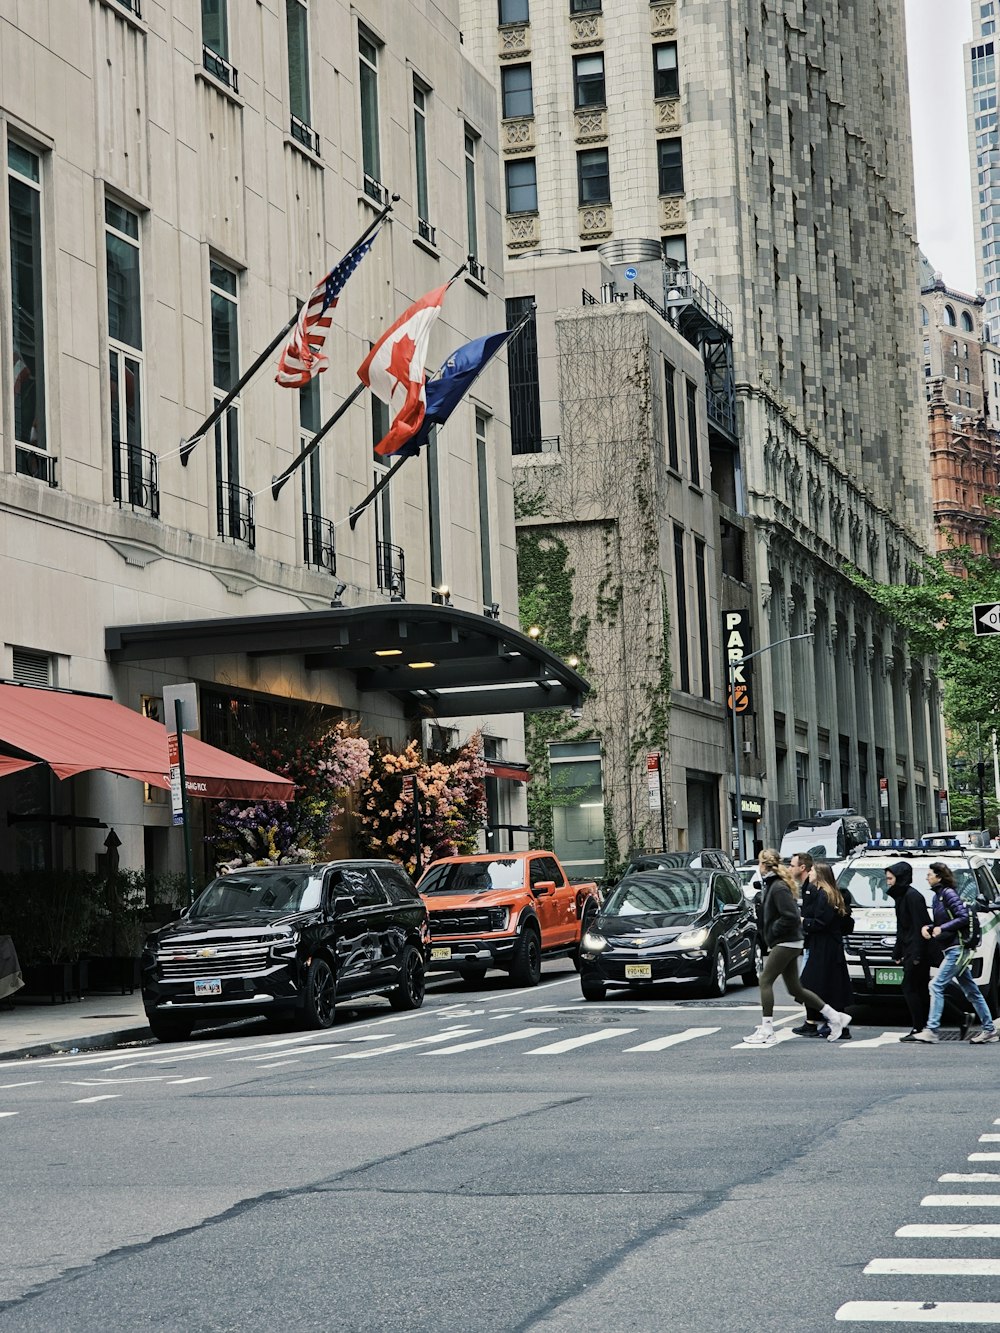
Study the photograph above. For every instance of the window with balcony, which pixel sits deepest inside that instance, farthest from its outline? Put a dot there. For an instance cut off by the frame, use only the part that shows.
(522, 375)
(234, 503)
(522, 188)
(434, 532)
(476, 268)
(24, 216)
(421, 95)
(593, 177)
(516, 92)
(299, 88)
(675, 251)
(134, 477)
(483, 482)
(670, 166)
(588, 81)
(318, 536)
(665, 78)
(513, 11)
(371, 152)
(215, 42)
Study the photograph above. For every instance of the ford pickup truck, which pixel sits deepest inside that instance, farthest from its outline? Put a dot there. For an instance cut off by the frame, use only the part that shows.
(505, 910)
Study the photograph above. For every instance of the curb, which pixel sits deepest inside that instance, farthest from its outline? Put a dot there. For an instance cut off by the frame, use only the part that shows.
(95, 1042)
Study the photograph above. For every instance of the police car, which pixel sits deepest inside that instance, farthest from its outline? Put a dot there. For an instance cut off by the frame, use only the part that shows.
(869, 947)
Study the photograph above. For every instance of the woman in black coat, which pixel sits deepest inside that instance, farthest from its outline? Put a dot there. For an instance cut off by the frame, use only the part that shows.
(911, 949)
(825, 921)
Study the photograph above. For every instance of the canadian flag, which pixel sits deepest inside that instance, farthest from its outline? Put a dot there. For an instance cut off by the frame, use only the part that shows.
(394, 369)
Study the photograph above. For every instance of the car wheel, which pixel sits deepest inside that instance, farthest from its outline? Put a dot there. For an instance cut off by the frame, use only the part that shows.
(473, 974)
(592, 990)
(751, 976)
(320, 1005)
(526, 969)
(169, 1029)
(409, 994)
(720, 974)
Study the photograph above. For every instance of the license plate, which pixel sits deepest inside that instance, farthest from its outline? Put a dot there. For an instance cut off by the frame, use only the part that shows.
(440, 953)
(638, 971)
(888, 976)
(213, 987)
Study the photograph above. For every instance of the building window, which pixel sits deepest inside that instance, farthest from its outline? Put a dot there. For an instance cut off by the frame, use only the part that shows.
(691, 393)
(675, 251)
(665, 80)
(593, 178)
(967, 321)
(924, 317)
(927, 347)
(434, 511)
(485, 534)
(670, 166)
(318, 540)
(234, 505)
(965, 374)
(215, 42)
(588, 81)
(680, 584)
(949, 316)
(584, 6)
(513, 11)
(27, 300)
(472, 191)
(299, 95)
(954, 347)
(133, 471)
(420, 96)
(515, 87)
(522, 190)
(522, 376)
(968, 400)
(371, 158)
(673, 453)
(380, 429)
(701, 588)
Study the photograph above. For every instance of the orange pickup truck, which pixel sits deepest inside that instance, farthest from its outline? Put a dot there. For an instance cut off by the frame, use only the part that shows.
(507, 910)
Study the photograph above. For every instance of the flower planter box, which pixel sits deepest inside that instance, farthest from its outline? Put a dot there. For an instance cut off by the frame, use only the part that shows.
(52, 979)
(113, 974)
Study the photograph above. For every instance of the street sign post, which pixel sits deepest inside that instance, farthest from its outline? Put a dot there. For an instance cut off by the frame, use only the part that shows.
(180, 708)
(986, 618)
(654, 782)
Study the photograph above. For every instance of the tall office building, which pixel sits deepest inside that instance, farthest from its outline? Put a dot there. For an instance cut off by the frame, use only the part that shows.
(984, 152)
(747, 165)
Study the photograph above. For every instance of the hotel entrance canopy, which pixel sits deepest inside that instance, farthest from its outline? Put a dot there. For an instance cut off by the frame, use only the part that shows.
(439, 661)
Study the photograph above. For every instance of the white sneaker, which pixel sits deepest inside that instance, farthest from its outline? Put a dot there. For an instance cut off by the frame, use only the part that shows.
(837, 1024)
(981, 1038)
(761, 1036)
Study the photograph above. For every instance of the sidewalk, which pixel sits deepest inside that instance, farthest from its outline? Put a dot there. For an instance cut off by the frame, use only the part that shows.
(36, 1027)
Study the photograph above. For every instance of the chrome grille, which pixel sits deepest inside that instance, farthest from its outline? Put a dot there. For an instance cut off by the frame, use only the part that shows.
(188, 961)
(461, 923)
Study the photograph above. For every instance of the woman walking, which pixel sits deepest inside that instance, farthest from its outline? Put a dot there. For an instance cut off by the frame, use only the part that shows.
(826, 919)
(911, 949)
(781, 930)
(951, 917)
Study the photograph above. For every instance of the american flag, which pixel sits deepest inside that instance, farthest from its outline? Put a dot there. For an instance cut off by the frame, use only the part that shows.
(302, 355)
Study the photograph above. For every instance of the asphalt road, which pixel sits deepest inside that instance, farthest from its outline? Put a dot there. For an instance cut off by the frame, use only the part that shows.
(505, 1160)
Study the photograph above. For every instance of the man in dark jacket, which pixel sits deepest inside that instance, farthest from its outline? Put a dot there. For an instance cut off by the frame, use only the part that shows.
(911, 949)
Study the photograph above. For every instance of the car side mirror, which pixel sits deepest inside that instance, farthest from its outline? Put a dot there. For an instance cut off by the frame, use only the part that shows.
(345, 902)
(543, 887)
(178, 914)
(729, 908)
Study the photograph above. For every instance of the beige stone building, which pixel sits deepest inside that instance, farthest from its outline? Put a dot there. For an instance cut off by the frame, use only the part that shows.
(762, 153)
(177, 178)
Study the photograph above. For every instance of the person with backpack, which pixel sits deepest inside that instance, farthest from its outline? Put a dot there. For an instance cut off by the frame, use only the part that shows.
(959, 934)
(911, 947)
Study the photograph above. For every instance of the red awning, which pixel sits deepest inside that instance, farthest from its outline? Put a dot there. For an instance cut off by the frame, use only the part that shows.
(77, 733)
(512, 772)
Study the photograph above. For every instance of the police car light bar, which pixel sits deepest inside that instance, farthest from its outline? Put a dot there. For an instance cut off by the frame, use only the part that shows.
(915, 844)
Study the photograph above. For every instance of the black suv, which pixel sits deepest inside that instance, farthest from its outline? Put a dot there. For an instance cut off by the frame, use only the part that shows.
(287, 939)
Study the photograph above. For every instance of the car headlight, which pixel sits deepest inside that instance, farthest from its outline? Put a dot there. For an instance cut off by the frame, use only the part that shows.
(286, 946)
(693, 939)
(499, 917)
(592, 942)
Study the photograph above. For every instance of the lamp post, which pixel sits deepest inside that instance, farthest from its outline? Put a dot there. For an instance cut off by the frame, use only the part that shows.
(735, 662)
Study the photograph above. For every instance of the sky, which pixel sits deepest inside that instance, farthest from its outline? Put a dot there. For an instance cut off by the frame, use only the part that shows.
(936, 30)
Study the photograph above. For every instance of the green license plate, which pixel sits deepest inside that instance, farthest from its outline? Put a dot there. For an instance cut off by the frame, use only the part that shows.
(888, 976)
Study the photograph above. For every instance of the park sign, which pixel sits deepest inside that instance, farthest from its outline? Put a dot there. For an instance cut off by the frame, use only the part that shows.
(986, 618)
(736, 642)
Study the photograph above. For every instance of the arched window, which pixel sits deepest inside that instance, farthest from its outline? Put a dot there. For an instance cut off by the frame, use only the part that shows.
(949, 316)
(924, 317)
(966, 321)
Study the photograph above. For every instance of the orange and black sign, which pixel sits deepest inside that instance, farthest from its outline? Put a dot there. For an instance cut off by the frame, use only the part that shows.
(737, 643)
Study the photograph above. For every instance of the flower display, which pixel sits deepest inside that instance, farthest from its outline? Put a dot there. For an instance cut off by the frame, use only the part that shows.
(324, 767)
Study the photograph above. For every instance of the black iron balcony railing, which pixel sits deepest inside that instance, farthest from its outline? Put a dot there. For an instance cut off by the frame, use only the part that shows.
(234, 511)
(391, 569)
(135, 480)
(133, 7)
(375, 190)
(685, 292)
(305, 135)
(427, 232)
(548, 444)
(220, 68)
(477, 270)
(35, 463)
(319, 542)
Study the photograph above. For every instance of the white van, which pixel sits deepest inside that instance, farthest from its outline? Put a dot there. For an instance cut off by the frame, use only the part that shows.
(967, 837)
(829, 836)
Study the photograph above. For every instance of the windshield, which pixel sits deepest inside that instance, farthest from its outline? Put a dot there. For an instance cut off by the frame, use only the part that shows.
(868, 887)
(473, 876)
(271, 893)
(662, 861)
(663, 894)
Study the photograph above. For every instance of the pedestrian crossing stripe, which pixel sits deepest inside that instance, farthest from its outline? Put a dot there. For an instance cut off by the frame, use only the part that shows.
(920, 1312)
(523, 1034)
(972, 1230)
(571, 1043)
(936, 1267)
(961, 1201)
(673, 1039)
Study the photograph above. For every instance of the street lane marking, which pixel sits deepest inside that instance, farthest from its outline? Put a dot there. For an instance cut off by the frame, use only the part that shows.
(30, 1084)
(104, 1097)
(522, 1034)
(570, 1043)
(779, 1037)
(937, 1267)
(977, 1230)
(278, 1064)
(4, 1114)
(273, 1055)
(376, 1036)
(883, 1039)
(971, 1178)
(198, 1078)
(674, 1039)
(406, 1045)
(916, 1312)
(961, 1201)
(110, 1082)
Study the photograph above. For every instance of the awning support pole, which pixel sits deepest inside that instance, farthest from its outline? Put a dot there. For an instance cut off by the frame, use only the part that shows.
(185, 809)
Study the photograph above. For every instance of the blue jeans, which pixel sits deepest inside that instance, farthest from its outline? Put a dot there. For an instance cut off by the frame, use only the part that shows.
(939, 984)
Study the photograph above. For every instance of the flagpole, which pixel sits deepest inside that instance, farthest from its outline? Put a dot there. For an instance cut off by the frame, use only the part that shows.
(188, 444)
(278, 482)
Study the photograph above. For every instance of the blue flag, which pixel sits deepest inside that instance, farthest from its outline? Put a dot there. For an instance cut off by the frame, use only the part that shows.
(446, 391)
